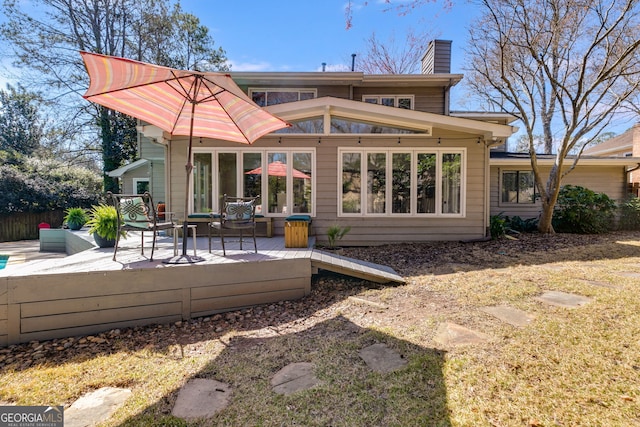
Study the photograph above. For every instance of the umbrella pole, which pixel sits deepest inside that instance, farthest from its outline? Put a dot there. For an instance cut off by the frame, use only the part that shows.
(184, 258)
(189, 169)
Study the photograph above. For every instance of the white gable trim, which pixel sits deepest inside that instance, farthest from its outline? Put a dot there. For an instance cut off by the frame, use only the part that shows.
(117, 173)
(390, 116)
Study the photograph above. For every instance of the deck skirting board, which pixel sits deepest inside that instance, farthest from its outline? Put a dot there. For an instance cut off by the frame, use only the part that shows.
(53, 306)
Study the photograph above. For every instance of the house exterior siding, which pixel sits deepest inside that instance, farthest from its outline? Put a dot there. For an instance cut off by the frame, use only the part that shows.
(365, 230)
(601, 179)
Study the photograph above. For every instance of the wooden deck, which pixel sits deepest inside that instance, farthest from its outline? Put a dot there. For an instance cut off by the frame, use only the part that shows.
(88, 292)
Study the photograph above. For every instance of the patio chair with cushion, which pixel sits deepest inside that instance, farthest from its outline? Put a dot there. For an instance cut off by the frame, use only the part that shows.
(237, 215)
(136, 212)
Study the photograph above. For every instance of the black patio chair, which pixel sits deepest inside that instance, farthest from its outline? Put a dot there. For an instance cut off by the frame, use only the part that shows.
(137, 212)
(237, 215)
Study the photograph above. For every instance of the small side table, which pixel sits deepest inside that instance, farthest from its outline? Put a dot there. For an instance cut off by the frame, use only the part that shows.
(178, 228)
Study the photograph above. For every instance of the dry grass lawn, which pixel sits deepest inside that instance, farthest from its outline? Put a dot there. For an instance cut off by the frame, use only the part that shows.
(568, 367)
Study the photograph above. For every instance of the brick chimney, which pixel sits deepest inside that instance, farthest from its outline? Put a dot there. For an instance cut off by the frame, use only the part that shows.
(437, 58)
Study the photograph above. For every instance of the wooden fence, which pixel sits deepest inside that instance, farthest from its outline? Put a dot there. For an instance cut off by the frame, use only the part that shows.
(24, 226)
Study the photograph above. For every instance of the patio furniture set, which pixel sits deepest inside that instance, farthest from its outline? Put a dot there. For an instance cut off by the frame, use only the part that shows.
(137, 212)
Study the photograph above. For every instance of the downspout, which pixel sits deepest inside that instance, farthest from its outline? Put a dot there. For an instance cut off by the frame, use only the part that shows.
(167, 174)
(487, 173)
(447, 99)
(487, 190)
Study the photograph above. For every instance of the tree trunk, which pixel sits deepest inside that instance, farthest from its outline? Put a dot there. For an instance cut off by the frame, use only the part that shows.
(545, 225)
(108, 164)
(549, 199)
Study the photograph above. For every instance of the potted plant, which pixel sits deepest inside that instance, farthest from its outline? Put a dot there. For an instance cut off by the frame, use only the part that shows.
(335, 233)
(75, 218)
(103, 224)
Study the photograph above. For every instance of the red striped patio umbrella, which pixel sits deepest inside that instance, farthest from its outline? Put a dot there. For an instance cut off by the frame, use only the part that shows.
(180, 102)
(278, 168)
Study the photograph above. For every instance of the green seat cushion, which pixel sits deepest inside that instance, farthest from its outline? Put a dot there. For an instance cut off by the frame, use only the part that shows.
(201, 215)
(306, 218)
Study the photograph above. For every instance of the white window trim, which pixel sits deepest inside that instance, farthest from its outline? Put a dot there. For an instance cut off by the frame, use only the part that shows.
(215, 188)
(414, 186)
(277, 89)
(395, 97)
(137, 180)
(501, 183)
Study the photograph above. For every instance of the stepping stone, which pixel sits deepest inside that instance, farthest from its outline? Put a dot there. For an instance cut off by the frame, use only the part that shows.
(600, 284)
(630, 274)
(563, 299)
(294, 377)
(95, 407)
(201, 398)
(510, 315)
(455, 335)
(381, 358)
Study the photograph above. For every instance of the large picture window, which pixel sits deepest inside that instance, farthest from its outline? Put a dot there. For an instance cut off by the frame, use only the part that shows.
(518, 187)
(282, 179)
(408, 182)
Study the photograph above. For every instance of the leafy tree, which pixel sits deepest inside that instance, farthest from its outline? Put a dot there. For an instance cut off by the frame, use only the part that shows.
(563, 67)
(21, 129)
(48, 42)
(37, 185)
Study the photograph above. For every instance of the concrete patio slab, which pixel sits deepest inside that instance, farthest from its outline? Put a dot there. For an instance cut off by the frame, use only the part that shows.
(563, 299)
(294, 377)
(201, 398)
(381, 358)
(510, 315)
(451, 334)
(95, 407)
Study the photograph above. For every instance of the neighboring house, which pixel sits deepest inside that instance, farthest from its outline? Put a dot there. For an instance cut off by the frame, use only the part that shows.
(625, 145)
(380, 153)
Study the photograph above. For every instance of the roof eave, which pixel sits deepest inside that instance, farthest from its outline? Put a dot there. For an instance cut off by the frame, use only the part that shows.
(389, 115)
(608, 161)
(345, 78)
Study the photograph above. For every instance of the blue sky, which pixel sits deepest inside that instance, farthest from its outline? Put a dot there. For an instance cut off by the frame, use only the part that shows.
(299, 35)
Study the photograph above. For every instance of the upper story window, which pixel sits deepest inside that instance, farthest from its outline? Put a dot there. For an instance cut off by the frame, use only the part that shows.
(400, 101)
(265, 97)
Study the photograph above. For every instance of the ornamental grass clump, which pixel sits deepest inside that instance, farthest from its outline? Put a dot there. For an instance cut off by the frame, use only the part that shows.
(335, 233)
